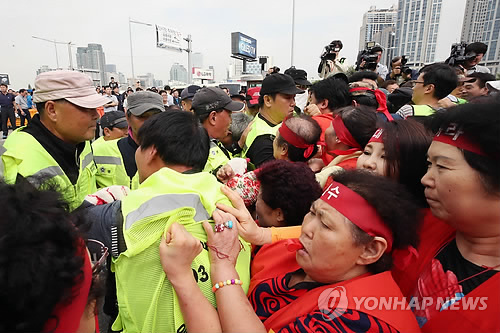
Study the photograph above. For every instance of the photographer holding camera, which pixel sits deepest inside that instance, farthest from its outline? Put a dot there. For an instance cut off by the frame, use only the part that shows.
(468, 56)
(369, 60)
(331, 63)
(400, 72)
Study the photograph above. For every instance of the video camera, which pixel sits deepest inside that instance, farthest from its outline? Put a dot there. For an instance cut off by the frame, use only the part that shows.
(405, 69)
(368, 56)
(330, 54)
(458, 57)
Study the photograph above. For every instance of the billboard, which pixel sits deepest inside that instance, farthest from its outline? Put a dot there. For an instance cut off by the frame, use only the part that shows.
(243, 46)
(4, 78)
(168, 37)
(203, 74)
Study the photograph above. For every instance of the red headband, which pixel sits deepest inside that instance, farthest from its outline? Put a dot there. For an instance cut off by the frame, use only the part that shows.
(296, 140)
(358, 211)
(67, 315)
(344, 136)
(381, 100)
(377, 136)
(456, 137)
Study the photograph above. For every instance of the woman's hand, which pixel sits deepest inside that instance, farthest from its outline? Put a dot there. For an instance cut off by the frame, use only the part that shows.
(177, 252)
(224, 246)
(225, 173)
(247, 227)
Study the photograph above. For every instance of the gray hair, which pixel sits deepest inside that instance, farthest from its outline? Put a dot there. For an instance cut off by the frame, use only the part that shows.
(239, 123)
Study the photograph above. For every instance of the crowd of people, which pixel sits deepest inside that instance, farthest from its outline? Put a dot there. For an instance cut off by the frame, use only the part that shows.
(282, 208)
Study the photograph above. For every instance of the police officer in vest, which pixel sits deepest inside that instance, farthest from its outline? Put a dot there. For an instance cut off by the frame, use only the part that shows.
(173, 150)
(276, 102)
(115, 159)
(435, 82)
(213, 108)
(54, 147)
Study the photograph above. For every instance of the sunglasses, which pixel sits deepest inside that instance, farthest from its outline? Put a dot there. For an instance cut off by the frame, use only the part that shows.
(98, 254)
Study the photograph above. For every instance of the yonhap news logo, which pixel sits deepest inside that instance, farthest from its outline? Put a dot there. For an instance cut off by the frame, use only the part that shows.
(333, 303)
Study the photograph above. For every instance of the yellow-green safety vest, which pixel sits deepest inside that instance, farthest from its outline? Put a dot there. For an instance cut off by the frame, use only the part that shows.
(259, 127)
(24, 155)
(422, 110)
(146, 299)
(216, 158)
(110, 166)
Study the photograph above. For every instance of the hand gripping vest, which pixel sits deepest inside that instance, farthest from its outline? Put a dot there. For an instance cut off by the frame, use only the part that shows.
(25, 156)
(216, 158)
(259, 127)
(110, 166)
(146, 299)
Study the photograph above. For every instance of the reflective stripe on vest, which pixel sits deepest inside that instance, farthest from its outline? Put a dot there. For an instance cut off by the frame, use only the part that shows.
(87, 160)
(167, 202)
(45, 174)
(108, 160)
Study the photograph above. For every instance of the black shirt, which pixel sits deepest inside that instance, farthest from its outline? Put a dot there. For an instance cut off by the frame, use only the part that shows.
(127, 147)
(6, 101)
(452, 260)
(261, 149)
(65, 154)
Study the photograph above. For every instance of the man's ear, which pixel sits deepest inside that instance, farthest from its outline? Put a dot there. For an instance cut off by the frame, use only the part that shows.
(268, 100)
(284, 150)
(280, 217)
(323, 104)
(50, 110)
(212, 118)
(430, 88)
(372, 251)
(106, 131)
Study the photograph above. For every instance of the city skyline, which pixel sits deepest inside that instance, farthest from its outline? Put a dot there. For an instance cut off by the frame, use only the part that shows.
(268, 22)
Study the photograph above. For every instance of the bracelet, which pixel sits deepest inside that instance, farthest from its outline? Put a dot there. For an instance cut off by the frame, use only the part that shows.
(221, 284)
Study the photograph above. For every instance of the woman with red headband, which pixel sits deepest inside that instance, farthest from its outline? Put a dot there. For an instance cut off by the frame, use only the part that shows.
(342, 259)
(48, 281)
(459, 257)
(398, 150)
(345, 139)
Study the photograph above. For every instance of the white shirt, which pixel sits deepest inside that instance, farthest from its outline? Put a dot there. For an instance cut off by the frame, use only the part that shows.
(113, 99)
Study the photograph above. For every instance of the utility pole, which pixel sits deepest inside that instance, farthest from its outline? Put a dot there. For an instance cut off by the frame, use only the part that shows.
(55, 47)
(130, 21)
(189, 51)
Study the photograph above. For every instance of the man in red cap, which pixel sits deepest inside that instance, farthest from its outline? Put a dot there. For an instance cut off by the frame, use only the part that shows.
(54, 149)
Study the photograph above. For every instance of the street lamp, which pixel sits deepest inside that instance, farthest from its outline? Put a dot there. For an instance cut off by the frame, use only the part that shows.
(55, 46)
(130, 35)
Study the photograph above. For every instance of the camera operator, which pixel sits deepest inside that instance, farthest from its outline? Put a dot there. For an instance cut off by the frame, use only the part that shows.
(399, 71)
(273, 70)
(369, 60)
(331, 63)
(479, 49)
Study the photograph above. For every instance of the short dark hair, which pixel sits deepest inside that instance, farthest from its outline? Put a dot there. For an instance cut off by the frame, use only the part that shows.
(481, 123)
(4, 84)
(405, 145)
(178, 138)
(387, 83)
(334, 90)
(22, 90)
(106, 87)
(306, 128)
(360, 121)
(41, 239)
(112, 78)
(377, 49)
(360, 75)
(292, 187)
(477, 48)
(167, 87)
(261, 99)
(481, 78)
(395, 60)
(403, 217)
(442, 76)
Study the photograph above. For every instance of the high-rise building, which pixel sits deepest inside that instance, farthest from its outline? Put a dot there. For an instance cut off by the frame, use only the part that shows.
(482, 24)
(386, 38)
(197, 60)
(374, 21)
(178, 73)
(423, 34)
(92, 57)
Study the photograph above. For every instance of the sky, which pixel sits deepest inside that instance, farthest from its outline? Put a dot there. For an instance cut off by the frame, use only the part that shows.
(210, 23)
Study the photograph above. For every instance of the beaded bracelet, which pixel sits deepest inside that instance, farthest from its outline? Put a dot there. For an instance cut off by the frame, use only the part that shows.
(221, 284)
